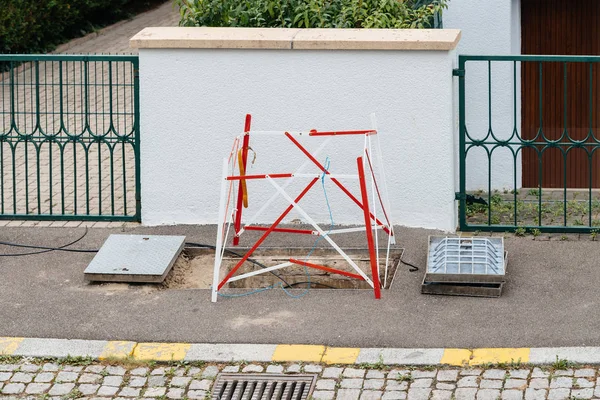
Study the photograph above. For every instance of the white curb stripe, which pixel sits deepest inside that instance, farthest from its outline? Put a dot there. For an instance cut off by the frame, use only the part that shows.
(400, 356)
(60, 348)
(230, 352)
(548, 355)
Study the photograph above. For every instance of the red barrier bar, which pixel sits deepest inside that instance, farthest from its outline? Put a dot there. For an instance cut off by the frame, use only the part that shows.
(338, 183)
(336, 133)
(283, 230)
(240, 177)
(267, 233)
(369, 231)
(238, 213)
(324, 268)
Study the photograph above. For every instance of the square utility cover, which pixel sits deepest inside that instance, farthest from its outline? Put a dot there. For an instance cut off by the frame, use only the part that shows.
(135, 258)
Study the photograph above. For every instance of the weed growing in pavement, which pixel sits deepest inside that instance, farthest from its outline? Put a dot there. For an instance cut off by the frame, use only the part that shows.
(6, 359)
(520, 232)
(70, 360)
(73, 394)
(593, 234)
(127, 362)
(513, 364)
(564, 237)
(379, 365)
(405, 378)
(562, 363)
(536, 232)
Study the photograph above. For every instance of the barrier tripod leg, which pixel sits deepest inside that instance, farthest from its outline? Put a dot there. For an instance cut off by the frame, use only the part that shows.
(219, 244)
(369, 231)
(240, 199)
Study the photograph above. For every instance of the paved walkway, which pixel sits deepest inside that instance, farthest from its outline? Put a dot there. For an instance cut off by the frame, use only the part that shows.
(115, 38)
(85, 379)
(94, 100)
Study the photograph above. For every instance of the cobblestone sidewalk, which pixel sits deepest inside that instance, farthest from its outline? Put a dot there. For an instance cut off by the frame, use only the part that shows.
(58, 380)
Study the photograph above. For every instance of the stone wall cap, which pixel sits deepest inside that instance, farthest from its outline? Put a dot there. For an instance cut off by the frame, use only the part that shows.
(296, 39)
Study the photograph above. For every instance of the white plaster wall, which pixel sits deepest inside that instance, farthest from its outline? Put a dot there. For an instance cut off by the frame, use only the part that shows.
(490, 27)
(193, 103)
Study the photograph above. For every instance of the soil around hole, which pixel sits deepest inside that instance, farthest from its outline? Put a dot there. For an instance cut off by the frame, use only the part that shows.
(188, 272)
(194, 268)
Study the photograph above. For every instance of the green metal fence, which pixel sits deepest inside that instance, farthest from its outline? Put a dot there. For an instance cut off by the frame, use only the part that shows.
(529, 159)
(69, 137)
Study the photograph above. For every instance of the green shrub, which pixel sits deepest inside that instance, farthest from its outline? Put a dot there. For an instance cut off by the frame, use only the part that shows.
(311, 13)
(31, 26)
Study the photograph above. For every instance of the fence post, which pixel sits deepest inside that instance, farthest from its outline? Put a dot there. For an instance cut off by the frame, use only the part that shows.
(136, 123)
(462, 210)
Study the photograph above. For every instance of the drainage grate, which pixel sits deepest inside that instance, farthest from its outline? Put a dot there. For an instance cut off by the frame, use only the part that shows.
(263, 387)
(466, 256)
(465, 266)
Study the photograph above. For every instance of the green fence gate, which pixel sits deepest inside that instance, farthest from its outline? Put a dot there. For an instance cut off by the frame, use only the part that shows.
(69, 137)
(529, 134)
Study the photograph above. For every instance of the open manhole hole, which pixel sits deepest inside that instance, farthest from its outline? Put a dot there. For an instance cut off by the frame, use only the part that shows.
(263, 387)
(194, 269)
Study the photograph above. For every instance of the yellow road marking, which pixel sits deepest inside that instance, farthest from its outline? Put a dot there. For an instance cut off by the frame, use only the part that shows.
(117, 349)
(298, 352)
(8, 345)
(161, 351)
(456, 357)
(340, 355)
(504, 355)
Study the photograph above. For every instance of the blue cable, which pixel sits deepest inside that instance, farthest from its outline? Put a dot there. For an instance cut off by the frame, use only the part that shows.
(326, 169)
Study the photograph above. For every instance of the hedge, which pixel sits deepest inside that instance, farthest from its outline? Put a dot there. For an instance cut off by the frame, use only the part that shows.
(311, 13)
(37, 26)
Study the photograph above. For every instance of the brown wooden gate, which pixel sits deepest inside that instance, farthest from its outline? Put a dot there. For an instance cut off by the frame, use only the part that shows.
(560, 99)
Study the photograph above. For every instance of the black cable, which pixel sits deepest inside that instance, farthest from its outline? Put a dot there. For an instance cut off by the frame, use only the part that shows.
(250, 260)
(313, 284)
(413, 268)
(47, 249)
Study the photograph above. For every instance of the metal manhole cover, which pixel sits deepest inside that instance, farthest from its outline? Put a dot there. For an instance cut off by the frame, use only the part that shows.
(263, 387)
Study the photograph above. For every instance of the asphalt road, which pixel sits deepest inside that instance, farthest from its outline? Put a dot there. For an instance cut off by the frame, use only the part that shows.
(551, 299)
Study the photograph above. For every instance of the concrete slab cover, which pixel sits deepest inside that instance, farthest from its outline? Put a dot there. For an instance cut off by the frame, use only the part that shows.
(135, 258)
